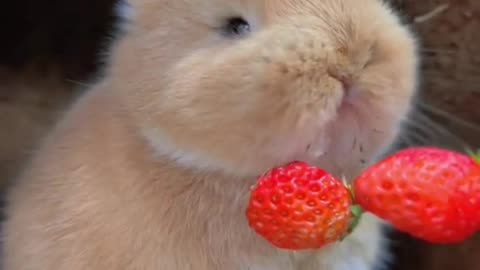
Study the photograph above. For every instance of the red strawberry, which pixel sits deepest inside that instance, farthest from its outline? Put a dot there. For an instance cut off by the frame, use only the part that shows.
(430, 193)
(299, 207)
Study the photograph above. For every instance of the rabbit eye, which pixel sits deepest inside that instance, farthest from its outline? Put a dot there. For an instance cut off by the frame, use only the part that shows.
(237, 27)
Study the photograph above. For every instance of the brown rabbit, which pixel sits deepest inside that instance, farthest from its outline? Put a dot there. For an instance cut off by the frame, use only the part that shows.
(151, 169)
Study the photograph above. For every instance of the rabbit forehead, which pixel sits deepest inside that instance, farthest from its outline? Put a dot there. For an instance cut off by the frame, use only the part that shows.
(265, 8)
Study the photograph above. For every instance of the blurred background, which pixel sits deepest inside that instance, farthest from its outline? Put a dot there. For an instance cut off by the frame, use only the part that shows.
(49, 52)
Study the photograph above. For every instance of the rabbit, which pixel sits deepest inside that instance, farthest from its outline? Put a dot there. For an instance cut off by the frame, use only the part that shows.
(151, 168)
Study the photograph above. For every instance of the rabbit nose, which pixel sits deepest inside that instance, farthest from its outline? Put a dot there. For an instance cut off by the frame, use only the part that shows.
(343, 77)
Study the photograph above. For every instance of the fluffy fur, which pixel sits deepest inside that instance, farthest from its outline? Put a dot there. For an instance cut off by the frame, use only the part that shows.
(151, 168)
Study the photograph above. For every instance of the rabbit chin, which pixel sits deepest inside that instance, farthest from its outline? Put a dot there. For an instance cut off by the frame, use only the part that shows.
(343, 146)
(349, 143)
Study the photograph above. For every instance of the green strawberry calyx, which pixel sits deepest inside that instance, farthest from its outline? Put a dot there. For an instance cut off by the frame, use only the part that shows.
(474, 156)
(357, 213)
(355, 209)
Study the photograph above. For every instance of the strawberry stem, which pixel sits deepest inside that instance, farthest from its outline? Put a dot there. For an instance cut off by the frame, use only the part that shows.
(349, 188)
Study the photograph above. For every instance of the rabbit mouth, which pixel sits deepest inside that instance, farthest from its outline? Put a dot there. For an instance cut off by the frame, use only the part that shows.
(347, 143)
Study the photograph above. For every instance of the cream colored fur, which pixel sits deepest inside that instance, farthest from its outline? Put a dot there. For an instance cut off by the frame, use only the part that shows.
(151, 169)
